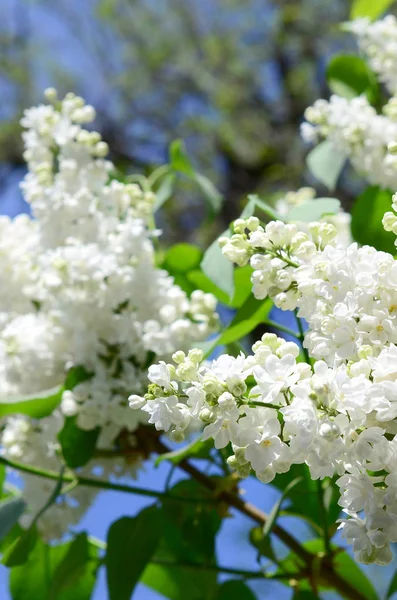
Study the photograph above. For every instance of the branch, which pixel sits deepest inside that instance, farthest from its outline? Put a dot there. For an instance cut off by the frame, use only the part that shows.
(93, 483)
(327, 572)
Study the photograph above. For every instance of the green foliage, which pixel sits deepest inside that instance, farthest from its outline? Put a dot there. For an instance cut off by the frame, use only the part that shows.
(181, 163)
(51, 573)
(72, 566)
(196, 449)
(131, 543)
(251, 314)
(348, 75)
(304, 496)
(348, 569)
(179, 160)
(189, 531)
(10, 511)
(19, 550)
(78, 446)
(218, 268)
(392, 589)
(326, 164)
(75, 375)
(262, 543)
(33, 405)
(234, 590)
(273, 515)
(314, 210)
(367, 214)
(369, 8)
(254, 203)
(164, 191)
(241, 281)
(343, 565)
(182, 258)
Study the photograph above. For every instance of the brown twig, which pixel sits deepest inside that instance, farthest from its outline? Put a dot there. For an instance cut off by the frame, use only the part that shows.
(327, 571)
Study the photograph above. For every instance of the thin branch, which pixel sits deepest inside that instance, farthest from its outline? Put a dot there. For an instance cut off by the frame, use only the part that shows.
(310, 560)
(94, 483)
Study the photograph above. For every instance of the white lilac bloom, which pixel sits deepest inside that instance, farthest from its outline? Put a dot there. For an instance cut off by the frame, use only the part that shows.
(336, 413)
(80, 286)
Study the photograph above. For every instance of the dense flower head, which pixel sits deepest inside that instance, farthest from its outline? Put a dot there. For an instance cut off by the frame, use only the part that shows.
(358, 132)
(336, 412)
(276, 411)
(80, 287)
(378, 42)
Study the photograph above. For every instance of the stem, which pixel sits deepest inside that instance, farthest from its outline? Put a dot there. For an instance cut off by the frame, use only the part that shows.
(94, 483)
(301, 336)
(157, 173)
(323, 514)
(203, 567)
(264, 404)
(310, 560)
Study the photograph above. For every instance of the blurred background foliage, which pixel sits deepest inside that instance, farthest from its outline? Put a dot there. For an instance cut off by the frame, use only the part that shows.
(230, 77)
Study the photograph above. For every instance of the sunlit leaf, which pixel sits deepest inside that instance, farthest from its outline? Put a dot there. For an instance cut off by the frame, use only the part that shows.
(367, 214)
(34, 405)
(325, 163)
(369, 8)
(131, 543)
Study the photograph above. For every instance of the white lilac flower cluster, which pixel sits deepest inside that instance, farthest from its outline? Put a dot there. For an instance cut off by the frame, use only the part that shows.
(358, 132)
(378, 42)
(353, 126)
(79, 282)
(337, 415)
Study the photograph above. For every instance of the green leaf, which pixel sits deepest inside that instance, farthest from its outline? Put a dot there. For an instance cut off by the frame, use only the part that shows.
(131, 543)
(234, 590)
(218, 268)
(179, 160)
(261, 543)
(34, 579)
(343, 564)
(242, 286)
(76, 375)
(349, 76)
(314, 210)
(10, 511)
(255, 202)
(326, 164)
(78, 445)
(272, 518)
(211, 194)
(164, 191)
(392, 587)
(251, 314)
(348, 569)
(182, 258)
(304, 497)
(35, 405)
(72, 566)
(367, 214)
(369, 8)
(2, 480)
(189, 531)
(19, 551)
(196, 449)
